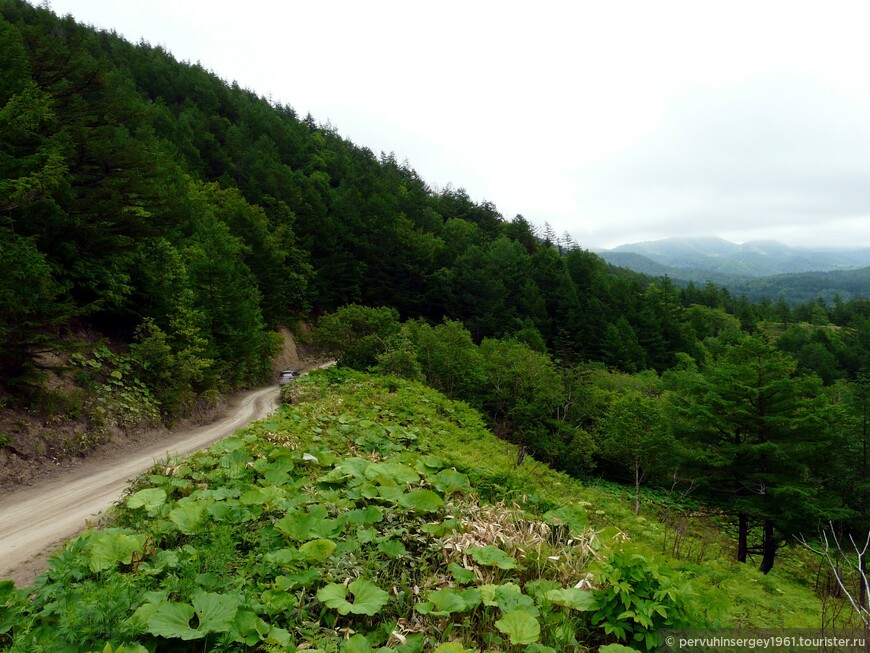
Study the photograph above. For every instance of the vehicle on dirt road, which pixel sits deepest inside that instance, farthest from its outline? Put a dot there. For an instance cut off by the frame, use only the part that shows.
(286, 376)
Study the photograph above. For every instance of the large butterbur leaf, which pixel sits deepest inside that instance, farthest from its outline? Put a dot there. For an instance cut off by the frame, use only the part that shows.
(572, 516)
(215, 614)
(449, 601)
(452, 647)
(111, 547)
(421, 501)
(389, 472)
(172, 620)
(150, 499)
(491, 556)
(392, 548)
(215, 611)
(189, 518)
(520, 626)
(449, 481)
(575, 599)
(304, 526)
(356, 644)
(317, 550)
(365, 597)
(461, 575)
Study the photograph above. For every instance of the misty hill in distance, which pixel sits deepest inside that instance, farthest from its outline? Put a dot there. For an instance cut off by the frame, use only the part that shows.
(757, 269)
(752, 259)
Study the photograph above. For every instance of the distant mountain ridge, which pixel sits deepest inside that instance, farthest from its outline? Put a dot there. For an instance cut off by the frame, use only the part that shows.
(751, 259)
(752, 269)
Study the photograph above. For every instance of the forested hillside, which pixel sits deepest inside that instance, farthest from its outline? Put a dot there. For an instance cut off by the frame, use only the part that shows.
(156, 203)
(165, 207)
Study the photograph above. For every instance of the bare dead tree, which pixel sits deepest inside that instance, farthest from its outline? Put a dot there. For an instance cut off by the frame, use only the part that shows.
(844, 562)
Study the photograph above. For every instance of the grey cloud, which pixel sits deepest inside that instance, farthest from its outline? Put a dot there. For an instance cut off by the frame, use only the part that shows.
(773, 152)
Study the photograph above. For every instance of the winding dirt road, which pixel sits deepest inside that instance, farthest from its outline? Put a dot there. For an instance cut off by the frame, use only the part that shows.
(37, 520)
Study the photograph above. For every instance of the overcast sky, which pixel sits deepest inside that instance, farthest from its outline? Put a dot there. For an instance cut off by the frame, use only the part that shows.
(614, 121)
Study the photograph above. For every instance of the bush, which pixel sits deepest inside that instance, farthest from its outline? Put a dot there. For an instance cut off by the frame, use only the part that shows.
(357, 335)
(639, 597)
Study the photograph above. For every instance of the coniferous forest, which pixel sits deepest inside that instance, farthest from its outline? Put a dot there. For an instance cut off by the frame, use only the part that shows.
(158, 224)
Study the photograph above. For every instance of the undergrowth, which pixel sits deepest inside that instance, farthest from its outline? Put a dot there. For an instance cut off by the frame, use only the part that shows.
(376, 515)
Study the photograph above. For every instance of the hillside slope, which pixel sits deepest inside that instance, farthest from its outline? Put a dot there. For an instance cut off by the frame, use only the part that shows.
(375, 513)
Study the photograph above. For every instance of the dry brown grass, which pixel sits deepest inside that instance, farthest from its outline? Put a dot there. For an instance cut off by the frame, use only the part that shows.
(543, 550)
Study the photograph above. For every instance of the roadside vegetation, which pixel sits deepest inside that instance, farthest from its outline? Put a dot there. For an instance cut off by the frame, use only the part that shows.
(375, 514)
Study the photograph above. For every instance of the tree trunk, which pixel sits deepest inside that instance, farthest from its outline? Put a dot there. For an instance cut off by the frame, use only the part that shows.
(742, 537)
(768, 547)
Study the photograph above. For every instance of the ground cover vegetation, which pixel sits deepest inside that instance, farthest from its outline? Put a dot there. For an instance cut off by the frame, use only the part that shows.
(375, 514)
(181, 219)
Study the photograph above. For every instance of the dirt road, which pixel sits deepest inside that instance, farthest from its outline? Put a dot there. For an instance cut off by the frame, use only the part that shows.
(36, 520)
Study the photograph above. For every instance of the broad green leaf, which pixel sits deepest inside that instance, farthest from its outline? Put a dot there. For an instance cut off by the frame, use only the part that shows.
(462, 575)
(317, 550)
(449, 481)
(334, 476)
(283, 557)
(487, 594)
(576, 599)
(539, 588)
(428, 464)
(617, 648)
(356, 467)
(256, 496)
(389, 472)
(452, 647)
(392, 548)
(356, 644)
(279, 636)
(110, 547)
(173, 620)
(572, 516)
(8, 617)
(333, 596)
(215, 611)
(368, 490)
(228, 445)
(150, 498)
(248, 628)
(509, 597)
(413, 644)
(441, 529)
(604, 537)
(539, 648)
(448, 601)
(520, 626)
(491, 556)
(303, 526)
(393, 493)
(304, 578)
(368, 598)
(278, 601)
(369, 515)
(220, 511)
(421, 501)
(123, 648)
(189, 518)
